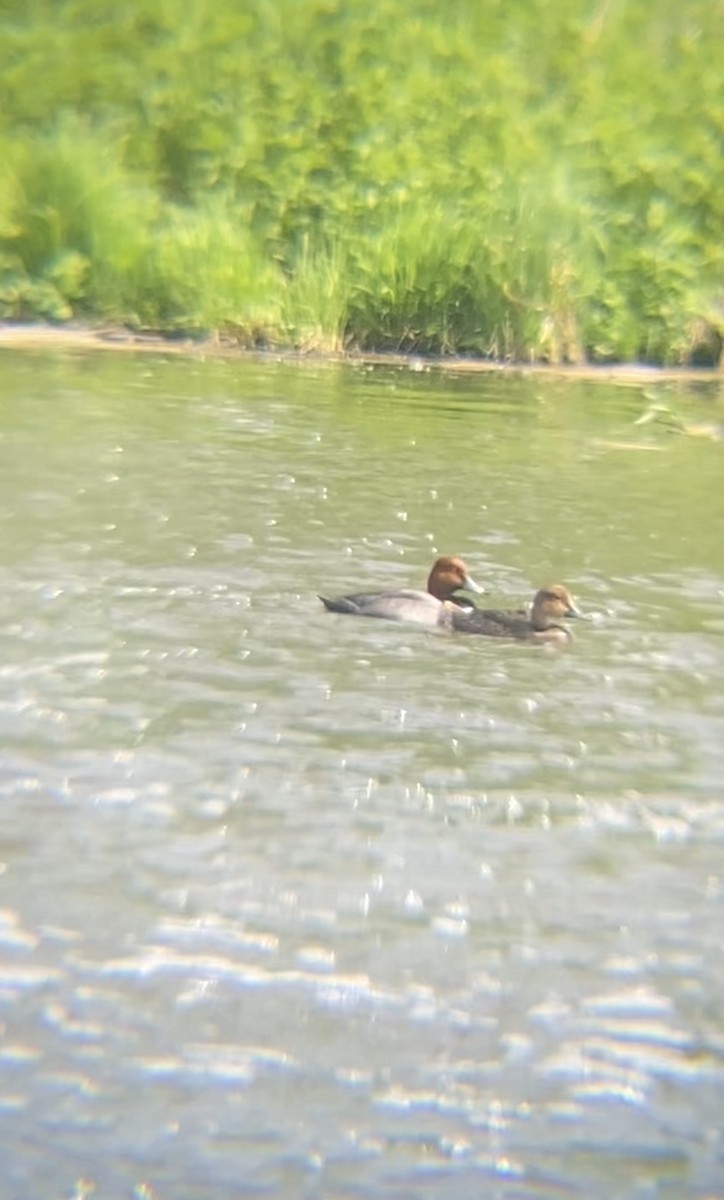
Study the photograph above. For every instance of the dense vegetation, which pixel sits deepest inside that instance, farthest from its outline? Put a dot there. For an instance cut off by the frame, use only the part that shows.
(505, 177)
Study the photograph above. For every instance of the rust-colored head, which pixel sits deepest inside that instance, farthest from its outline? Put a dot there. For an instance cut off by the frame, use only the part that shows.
(450, 575)
(552, 604)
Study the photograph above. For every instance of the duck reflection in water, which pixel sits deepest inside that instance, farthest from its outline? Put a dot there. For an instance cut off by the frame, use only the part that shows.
(551, 605)
(448, 577)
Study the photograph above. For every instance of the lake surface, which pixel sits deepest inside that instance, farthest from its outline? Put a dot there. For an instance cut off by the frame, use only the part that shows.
(298, 905)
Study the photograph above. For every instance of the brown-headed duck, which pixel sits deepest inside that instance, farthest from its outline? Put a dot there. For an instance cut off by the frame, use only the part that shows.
(433, 607)
(542, 624)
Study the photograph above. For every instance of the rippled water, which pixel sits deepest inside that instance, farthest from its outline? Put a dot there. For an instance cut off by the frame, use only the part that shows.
(296, 905)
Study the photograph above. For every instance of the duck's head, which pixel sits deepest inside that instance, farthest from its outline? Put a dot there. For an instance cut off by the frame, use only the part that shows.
(552, 604)
(450, 575)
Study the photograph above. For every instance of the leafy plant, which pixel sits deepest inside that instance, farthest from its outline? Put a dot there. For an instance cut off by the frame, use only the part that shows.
(517, 179)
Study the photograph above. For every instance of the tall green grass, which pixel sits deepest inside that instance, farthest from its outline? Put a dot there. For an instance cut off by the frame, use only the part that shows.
(520, 180)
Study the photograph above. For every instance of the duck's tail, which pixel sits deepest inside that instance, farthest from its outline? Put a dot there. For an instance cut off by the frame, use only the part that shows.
(340, 604)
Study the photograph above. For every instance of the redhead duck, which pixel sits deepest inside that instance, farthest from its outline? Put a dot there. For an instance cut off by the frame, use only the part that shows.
(433, 607)
(550, 605)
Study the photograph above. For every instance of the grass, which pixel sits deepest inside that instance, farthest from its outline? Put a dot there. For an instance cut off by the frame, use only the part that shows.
(507, 180)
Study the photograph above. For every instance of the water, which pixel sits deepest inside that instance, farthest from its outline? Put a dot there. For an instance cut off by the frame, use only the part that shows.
(295, 905)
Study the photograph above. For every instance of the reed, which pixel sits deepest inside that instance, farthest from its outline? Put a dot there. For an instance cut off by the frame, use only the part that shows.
(521, 181)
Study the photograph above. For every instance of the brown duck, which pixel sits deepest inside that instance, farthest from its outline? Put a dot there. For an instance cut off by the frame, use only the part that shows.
(551, 605)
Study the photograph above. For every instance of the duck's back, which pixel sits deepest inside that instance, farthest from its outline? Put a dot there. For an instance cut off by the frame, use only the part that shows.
(494, 623)
(505, 623)
(403, 605)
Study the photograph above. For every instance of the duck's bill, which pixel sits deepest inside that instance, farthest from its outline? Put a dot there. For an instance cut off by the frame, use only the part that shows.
(572, 611)
(471, 586)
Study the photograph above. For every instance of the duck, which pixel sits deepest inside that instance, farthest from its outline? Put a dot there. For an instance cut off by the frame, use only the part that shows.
(436, 606)
(550, 606)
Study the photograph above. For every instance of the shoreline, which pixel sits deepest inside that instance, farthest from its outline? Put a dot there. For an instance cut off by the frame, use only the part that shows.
(32, 336)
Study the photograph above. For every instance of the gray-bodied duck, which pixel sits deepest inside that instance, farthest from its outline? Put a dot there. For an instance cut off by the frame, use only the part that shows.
(551, 605)
(436, 606)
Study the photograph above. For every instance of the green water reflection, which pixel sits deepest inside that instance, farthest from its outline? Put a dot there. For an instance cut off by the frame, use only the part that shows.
(327, 903)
